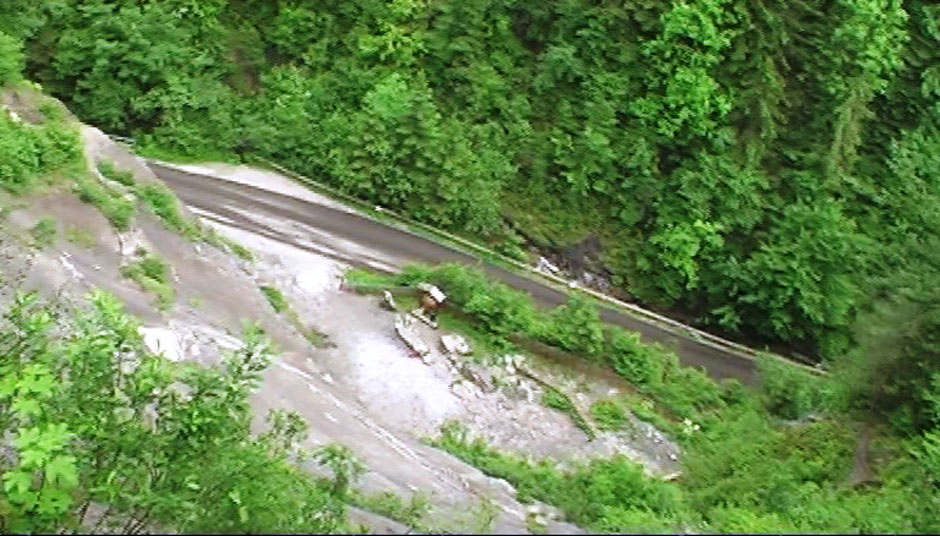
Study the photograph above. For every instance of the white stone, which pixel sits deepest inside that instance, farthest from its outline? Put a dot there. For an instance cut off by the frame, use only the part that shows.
(455, 344)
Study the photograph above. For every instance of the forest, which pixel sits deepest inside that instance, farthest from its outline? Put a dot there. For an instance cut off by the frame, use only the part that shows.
(769, 169)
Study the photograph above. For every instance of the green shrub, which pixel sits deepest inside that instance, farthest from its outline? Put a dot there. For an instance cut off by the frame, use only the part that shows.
(152, 274)
(11, 59)
(163, 202)
(789, 392)
(77, 433)
(19, 156)
(688, 391)
(117, 209)
(553, 399)
(500, 309)
(44, 232)
(608, 415)
(601, 493)
(275, 298)
(575, 327)
(106, 168)
(638, 363)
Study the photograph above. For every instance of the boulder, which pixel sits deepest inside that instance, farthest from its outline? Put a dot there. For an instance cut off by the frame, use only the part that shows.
(455, 344)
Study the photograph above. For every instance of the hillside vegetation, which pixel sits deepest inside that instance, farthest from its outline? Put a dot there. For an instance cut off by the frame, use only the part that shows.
(770, 167)
(766, 166)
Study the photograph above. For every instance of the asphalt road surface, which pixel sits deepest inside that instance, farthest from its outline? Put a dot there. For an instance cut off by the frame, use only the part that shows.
(360, 241)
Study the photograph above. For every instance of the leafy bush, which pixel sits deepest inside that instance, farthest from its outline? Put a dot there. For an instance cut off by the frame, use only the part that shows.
(11, 59)
(574, 326)
(29, 152)
(499, 309)
(608, 415)
(639, 363)
(788, 392)
(162, 446)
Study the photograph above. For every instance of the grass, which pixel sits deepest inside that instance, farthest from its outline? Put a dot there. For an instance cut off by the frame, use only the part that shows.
(114, 206)
(608, 415)
(646, 410)
(239, 250)
(586, 493)
(275, 298)
(392, 506)
(365, 280)
(152, 274)
(555, 399)
(163, 203)
(108, 171)
(44, 232)
(281, 306)
(80, 237)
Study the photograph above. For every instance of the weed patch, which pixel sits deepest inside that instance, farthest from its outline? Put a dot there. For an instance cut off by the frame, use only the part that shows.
(275, 298)
(108, 171)
(608, 415)
(163, 202)
(80, 237)
(114, 206)
(606, 495)
(392, 506)
(281, 306)
(44, 232)
(152, 274)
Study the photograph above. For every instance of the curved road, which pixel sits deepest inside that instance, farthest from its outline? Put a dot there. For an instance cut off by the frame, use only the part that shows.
(360, 241)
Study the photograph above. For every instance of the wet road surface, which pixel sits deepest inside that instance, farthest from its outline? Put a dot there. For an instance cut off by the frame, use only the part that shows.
(360, 241)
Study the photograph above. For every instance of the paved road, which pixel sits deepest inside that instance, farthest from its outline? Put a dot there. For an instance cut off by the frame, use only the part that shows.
(360, 241)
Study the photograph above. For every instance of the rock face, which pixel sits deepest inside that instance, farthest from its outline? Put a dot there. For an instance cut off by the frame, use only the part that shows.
(405, 329)
(455, 344)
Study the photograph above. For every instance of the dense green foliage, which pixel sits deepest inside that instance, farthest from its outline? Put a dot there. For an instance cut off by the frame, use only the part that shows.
(758, 164)
(29, 152)
(104, 435)
(776, 459)
(574, 327)
(768, 167)
(611, 495)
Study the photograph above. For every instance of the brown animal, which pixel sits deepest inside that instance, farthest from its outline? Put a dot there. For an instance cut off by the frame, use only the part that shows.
(428, 303)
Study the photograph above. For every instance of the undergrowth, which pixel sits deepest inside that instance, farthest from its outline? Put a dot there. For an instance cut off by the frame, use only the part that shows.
(153, 275)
